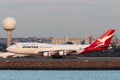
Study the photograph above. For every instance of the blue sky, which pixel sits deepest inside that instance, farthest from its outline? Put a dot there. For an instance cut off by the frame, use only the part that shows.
(59, 18)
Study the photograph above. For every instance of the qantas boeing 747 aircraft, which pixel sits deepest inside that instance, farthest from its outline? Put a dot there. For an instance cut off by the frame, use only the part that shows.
(47, 50)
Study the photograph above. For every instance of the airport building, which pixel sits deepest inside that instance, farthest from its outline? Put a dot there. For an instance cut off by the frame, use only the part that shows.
(88, 39)
(65, 40)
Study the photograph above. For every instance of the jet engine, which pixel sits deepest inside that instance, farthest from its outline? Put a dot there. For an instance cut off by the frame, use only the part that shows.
(46, 54)
(61, 53)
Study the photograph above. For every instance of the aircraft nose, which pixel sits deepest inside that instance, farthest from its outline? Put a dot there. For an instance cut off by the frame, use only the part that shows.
(11, 48)
(8, 48)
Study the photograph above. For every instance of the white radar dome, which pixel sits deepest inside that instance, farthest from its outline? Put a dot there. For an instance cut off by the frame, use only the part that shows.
(9, 23)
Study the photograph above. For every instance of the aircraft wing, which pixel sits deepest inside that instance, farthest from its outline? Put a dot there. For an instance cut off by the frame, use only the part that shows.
(56, 52)
(6, 55)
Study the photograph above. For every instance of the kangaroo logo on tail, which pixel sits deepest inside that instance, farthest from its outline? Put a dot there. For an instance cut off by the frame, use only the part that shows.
(101, 43)
(104, 39)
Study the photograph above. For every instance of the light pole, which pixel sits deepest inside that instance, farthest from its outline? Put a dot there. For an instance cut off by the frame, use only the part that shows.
(9, 24)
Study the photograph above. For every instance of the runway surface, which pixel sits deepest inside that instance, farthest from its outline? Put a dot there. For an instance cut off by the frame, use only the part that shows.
(80, 59)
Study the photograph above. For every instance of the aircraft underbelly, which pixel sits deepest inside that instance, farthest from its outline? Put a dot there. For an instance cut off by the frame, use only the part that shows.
(26, 51)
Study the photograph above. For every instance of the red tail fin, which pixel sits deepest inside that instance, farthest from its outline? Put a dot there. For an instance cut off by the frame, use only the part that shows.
(104, 40)
(102, 43)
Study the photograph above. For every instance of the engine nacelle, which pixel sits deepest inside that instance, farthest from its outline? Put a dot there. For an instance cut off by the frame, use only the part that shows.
(62, 53)
(46, 54)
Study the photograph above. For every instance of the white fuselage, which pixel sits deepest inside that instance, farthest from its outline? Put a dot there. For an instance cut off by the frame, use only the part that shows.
(35, 48)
